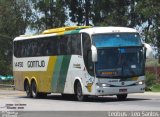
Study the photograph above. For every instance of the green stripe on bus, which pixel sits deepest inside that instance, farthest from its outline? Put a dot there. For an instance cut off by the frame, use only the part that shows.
(56, 72)
(63, 73)
(72, 32)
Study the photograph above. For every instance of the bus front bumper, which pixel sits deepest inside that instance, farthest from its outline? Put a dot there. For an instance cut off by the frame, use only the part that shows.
(100, 91)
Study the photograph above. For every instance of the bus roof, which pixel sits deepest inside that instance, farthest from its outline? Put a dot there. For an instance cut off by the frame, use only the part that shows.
(77, 29)
(53, 32)
(99, 30)
(64, 29)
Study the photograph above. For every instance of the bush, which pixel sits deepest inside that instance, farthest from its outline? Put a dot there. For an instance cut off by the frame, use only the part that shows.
(150, 80)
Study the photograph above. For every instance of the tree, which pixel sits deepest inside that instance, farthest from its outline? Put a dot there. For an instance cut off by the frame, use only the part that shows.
(110, 12)
(50, 14)
(80, 11)
(148, 15)
(14, 18)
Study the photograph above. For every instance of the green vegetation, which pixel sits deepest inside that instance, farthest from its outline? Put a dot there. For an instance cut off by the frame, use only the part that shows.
(151, 74)
(155, 88)
(14, 19)
(150, 80)
(152, 63)
(151, 83)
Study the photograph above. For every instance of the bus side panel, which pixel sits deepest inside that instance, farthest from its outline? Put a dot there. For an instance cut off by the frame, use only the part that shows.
(63, 73)
(46, 77)
(59, 73)
(78, 71)
(18, 80)
(42, 76)
(75, 70)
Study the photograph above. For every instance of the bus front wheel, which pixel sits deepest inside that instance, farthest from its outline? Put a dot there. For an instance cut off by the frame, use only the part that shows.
(122, 97)
(79, 93)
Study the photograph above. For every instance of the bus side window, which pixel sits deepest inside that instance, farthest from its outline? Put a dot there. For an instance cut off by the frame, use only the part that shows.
(16, 49)
(63, 45)
(89, 62)
(76, 44)
(87, 53)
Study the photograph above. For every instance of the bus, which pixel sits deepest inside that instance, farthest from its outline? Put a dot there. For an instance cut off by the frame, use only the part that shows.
(80, 60)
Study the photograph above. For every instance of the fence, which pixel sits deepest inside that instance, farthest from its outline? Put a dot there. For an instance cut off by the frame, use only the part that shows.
(7, 84)
(153, 67)
(154, 70)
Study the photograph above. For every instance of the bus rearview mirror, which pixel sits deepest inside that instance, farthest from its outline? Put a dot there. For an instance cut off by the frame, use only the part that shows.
(149, 51)
(94, 53)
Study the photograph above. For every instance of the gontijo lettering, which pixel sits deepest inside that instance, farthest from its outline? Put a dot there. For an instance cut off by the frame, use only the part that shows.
(33, 64)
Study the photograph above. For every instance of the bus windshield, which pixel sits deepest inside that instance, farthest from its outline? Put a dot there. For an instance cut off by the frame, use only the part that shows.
(119, 55)
(120, 62)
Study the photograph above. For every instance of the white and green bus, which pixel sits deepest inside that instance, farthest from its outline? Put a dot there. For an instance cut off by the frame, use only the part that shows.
(80, 60)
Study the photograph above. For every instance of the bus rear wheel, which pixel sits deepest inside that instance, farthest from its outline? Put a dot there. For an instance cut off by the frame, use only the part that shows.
(27, 89)
(79, 93)
(34, 89)
(35, 93)
(122, 97)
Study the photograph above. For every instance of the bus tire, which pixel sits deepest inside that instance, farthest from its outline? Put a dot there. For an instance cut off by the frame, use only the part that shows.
(27, 88)
(34, 89)
(79, 93)
(121, 97)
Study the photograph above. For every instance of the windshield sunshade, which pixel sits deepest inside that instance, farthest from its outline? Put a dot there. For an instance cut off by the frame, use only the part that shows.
(116, 40)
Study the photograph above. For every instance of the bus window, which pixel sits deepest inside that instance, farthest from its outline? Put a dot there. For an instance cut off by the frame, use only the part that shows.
(87, 53)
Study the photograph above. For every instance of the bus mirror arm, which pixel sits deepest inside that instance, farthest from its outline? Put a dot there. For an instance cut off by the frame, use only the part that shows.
(94, 54)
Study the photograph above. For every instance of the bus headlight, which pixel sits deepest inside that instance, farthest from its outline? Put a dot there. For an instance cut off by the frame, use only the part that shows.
(140, 82)
(102, 85)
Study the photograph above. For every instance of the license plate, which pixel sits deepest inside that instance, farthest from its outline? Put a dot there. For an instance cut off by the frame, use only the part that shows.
(122, 90)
